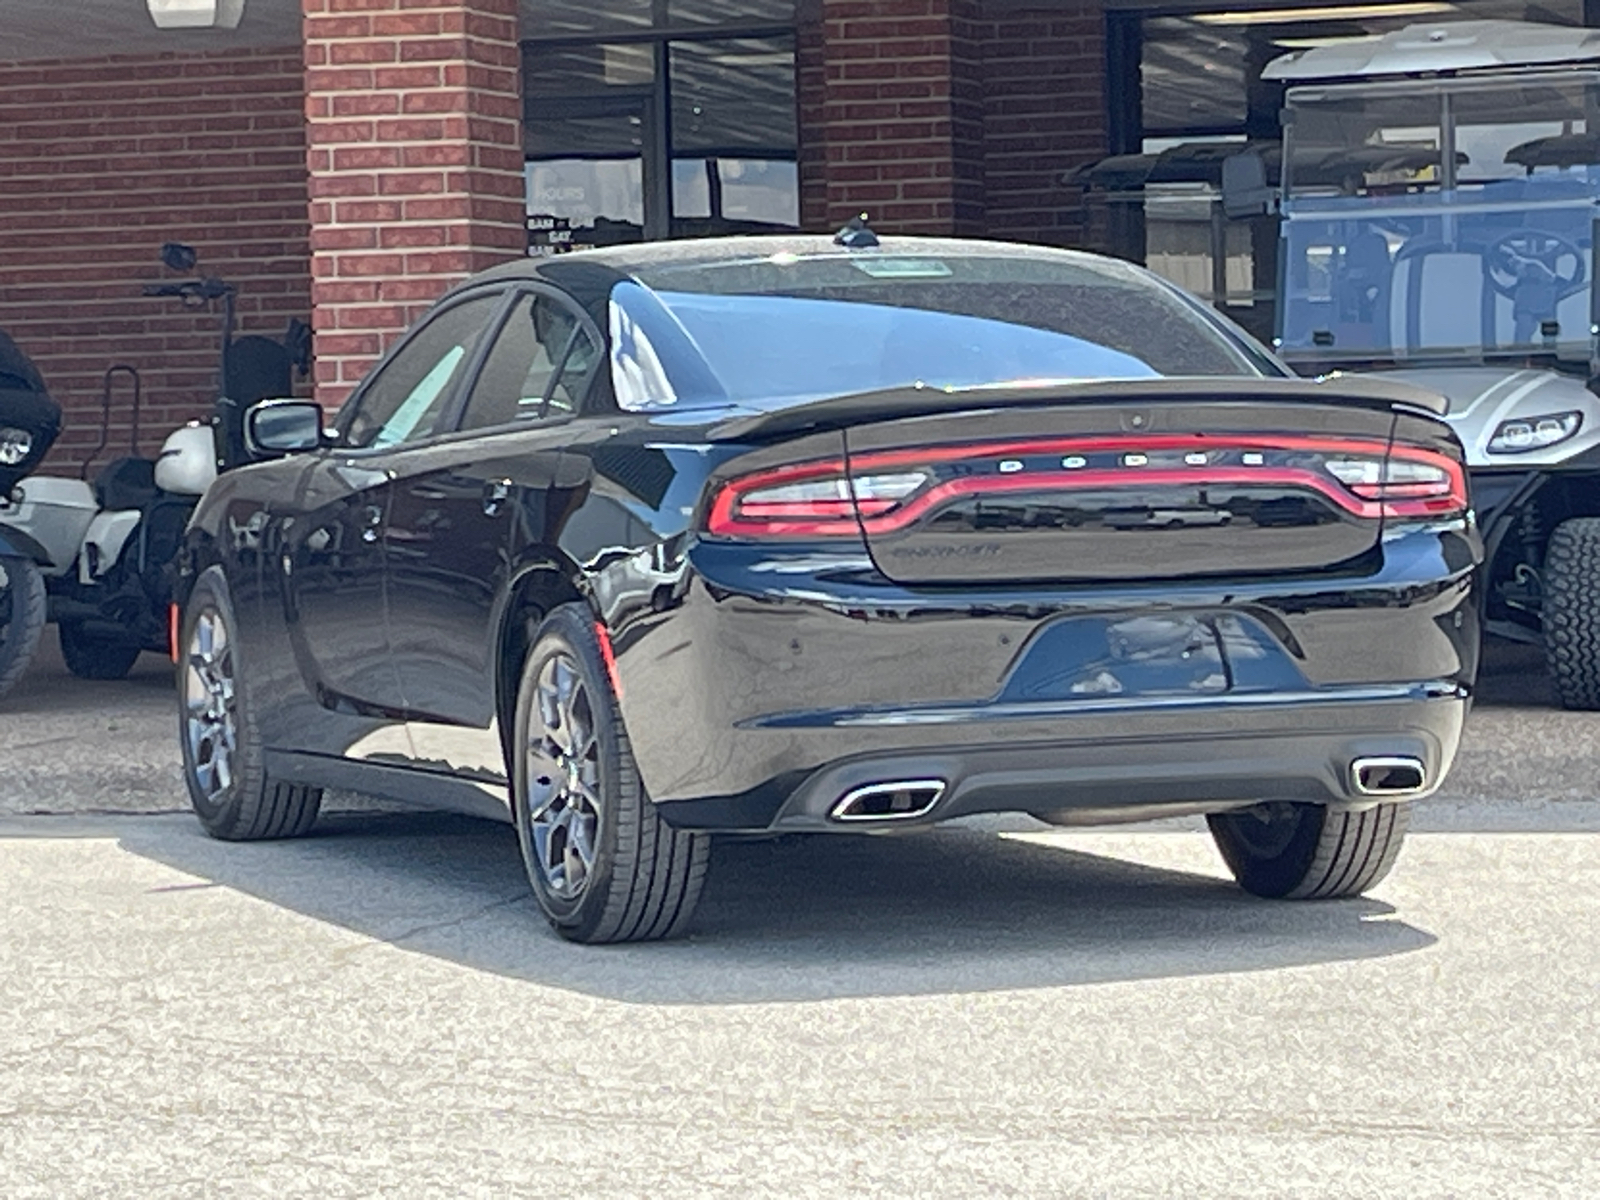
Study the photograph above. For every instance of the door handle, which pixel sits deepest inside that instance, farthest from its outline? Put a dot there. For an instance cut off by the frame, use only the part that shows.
(495, 494)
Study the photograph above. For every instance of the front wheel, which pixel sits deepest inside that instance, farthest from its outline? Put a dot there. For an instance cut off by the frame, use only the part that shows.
(603, 865)
(90, 657)
(22, 614)
(1308, 851)
(230, 789)
(1571, 613)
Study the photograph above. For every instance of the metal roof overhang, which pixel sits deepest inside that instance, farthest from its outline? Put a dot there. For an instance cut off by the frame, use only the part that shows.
(1441, 46)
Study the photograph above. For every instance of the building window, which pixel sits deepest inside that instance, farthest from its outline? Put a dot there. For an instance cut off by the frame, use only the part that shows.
(658, 118)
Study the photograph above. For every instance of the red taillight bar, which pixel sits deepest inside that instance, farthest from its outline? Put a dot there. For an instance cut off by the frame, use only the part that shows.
(838, 517)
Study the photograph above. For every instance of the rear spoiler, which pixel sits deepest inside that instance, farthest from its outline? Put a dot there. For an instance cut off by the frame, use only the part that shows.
(838, 412)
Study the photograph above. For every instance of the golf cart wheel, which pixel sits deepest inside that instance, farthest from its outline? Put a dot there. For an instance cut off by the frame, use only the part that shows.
(90, 657)
(1571, 613)
(22, 613)
(603, 865)
(1287, 851)
(232, 794)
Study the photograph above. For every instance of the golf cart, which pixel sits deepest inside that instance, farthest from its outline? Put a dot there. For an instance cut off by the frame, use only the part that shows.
(1436, 194)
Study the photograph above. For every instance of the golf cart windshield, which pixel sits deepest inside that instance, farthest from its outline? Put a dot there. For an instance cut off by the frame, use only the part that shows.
(1445, 219)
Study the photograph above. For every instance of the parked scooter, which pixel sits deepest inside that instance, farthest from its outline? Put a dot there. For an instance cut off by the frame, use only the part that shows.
(29, 422)
(115, 542)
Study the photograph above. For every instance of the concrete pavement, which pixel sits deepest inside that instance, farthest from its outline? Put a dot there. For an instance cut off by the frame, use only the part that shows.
(986, 1009)
(376, 1010)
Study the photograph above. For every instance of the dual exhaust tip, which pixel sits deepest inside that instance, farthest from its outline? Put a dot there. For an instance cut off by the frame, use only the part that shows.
(907, 799)
(899, 801)
(1388, 776)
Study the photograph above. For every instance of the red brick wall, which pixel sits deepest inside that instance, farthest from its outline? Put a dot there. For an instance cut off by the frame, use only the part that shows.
(1043, 114)
(101, 161)
(890, 112)
(943, 116)
(414, 125)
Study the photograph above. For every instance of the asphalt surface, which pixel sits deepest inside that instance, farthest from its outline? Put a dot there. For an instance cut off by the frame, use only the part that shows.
(986, 1009)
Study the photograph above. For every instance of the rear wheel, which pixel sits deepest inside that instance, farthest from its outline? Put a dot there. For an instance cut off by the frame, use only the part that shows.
(230, 789)
(1309, 851)
(22, 613)
(1571, 614)
(90, 657)
(603, 865)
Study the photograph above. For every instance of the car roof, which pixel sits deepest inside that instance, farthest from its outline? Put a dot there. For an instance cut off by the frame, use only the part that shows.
(636, 257)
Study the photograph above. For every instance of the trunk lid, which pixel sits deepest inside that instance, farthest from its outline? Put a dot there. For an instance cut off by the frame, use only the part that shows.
(1155, 486)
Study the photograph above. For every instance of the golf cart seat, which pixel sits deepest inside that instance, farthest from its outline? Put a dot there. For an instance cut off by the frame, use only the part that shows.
(258, 368)
(1441, 298)
(126, 483)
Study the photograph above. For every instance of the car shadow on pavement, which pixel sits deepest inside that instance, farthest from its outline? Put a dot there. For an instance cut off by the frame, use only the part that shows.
(803, 918)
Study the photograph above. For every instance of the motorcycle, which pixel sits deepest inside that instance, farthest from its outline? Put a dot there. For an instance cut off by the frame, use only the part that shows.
(114, 542)
(29, 423)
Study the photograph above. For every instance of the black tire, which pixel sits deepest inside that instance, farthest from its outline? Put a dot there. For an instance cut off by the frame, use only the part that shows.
(90, 657)
(1308, 851)
(229, 787)
(22, 615)
(1571, 615)
(644, 877)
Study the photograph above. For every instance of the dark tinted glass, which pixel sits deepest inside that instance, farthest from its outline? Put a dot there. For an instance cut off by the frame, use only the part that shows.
(566, 18)
(586, 70)
(538, 367)
(730, 12)
(404, 401)
(733, 97)
(780, 331)
(1192, 75)
(733, 136)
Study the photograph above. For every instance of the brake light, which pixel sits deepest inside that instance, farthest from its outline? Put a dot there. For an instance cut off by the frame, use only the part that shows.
(884, 491)
(1409, 482)
(811, 500)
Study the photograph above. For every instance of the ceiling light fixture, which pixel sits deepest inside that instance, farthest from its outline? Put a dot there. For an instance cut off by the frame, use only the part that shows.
(195, 14)
(1342, 12)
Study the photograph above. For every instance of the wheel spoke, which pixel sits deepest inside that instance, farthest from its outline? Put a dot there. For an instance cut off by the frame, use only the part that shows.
(210, 704)
(562, 812)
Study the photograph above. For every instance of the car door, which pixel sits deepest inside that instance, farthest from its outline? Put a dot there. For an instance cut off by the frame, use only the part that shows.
(333, 548)
(449, 529)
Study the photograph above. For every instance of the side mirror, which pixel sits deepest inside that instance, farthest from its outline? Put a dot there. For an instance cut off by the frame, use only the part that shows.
(1245, 191)
(275, 427)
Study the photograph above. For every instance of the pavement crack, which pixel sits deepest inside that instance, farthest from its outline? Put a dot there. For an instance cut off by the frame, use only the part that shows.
(475, 914)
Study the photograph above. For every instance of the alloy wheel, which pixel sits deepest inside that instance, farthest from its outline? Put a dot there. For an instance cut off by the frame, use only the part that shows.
(211, 719)
(564, 809)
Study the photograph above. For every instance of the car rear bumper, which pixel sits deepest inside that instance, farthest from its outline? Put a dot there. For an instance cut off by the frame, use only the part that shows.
(759, 687)
(1133, 763)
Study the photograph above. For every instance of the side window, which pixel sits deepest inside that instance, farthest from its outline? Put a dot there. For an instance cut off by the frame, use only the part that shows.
(405, 401)
(539, 367)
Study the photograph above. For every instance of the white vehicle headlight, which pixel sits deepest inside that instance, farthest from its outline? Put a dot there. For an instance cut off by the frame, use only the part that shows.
(1521, 434)
(14, 445)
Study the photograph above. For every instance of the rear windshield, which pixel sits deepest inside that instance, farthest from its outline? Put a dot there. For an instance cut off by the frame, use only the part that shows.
(783, 330)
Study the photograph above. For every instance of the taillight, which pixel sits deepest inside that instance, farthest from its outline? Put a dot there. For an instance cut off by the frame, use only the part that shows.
(892, 489)
(1409, 482)
(809, 500)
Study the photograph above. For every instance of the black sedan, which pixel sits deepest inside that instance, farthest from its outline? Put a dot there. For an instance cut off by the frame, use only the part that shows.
(639, 546)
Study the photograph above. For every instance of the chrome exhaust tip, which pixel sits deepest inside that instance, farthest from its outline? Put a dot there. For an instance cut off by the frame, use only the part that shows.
(1398, 776)
(898, 801)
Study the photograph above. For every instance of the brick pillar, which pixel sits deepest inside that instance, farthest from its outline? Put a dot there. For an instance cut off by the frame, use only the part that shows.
(891, 100)
(414, 152)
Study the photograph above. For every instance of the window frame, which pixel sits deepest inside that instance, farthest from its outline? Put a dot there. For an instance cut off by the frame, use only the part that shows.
(448, 415)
